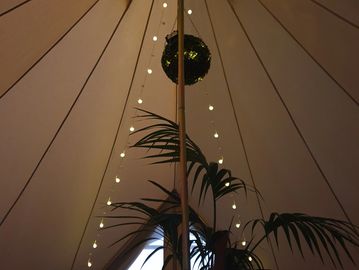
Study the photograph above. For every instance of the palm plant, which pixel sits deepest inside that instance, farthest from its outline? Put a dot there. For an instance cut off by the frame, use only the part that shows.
(212, 249)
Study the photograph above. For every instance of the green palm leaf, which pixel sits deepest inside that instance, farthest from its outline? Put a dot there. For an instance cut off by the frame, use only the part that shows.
(318, 233)
(163, 136)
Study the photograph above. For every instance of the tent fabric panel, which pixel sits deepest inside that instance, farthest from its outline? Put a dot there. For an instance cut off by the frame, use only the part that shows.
(43, 99)
(29, 31)
(44, 205)
(42, 103)
(331, 41)
(7, 5)
(348, 9)
(119, 62)
(328, 124)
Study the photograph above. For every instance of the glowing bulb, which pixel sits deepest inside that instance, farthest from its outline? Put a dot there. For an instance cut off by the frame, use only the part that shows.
(139, 101)
(118, 180)
(109, 202)
(250, 258)
(244, 243)
(227, 184)
(132, 129)
(122, 154)
(210, 107)
(149, 71)
(234, 206)
(164, 5)
(89, 263)
(101, 224)
(238, 225)
(216, 135)
(220, 161)
(154, 38)
(189, 11)
(94, 245)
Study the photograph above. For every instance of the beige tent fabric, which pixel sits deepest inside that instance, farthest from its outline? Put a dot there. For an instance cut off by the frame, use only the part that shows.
(348, 9)
(8, 5)
(283, 82)
(28, 32)
(318, 31)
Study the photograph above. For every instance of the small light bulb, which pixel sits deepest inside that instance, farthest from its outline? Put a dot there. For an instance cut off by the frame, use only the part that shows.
(227, 184)
(101, 224)
(244, 243)
(94, 245)
(234, 206)
(109, 202)
(164, 5)
(210, 107)
(189, 11)
(89, 263)
(149, 71)
(118, 180)
(238, 225)
(154, 38)
(122, 154)
(139, 101)
(132, 129)
(250, 258)
(220, 161)
(216, 135)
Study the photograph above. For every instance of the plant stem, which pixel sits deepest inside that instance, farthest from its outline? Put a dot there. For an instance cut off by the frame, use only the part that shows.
(214, 214)
(260, 240)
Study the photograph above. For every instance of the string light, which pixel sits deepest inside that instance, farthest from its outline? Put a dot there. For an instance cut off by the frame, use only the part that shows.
(244, 242)
(210, 107)
(220, 161)
(227, 184)
(234, 206)
(189, 11)
(101, 224)
(216, 135)
(250, 258)
(117, 179)
(238, 223)
(94, 245)
(109, 201)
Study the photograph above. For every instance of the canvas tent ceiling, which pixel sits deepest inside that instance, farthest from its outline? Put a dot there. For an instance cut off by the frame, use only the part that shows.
(283, 78)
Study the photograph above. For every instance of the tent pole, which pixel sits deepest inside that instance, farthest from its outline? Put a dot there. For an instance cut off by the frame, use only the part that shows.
(182, 137)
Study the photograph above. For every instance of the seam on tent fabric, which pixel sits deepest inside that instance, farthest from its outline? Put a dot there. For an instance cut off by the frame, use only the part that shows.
(50, 49)
(335, 14)
(117, 132)
(60, 127)
(237, 124)
(292, 119)
(13, 8)
(308, 53)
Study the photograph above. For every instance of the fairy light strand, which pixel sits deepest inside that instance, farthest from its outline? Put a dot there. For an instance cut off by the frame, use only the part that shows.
(131, 129)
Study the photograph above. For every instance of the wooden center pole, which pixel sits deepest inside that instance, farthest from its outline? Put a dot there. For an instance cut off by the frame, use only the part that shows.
(182, 137)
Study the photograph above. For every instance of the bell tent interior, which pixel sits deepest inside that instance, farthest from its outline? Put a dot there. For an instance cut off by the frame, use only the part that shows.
(278, 107)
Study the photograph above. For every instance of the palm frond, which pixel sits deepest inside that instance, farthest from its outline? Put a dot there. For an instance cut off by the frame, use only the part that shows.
(242, 259)
(319, 233)
(164, 135)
